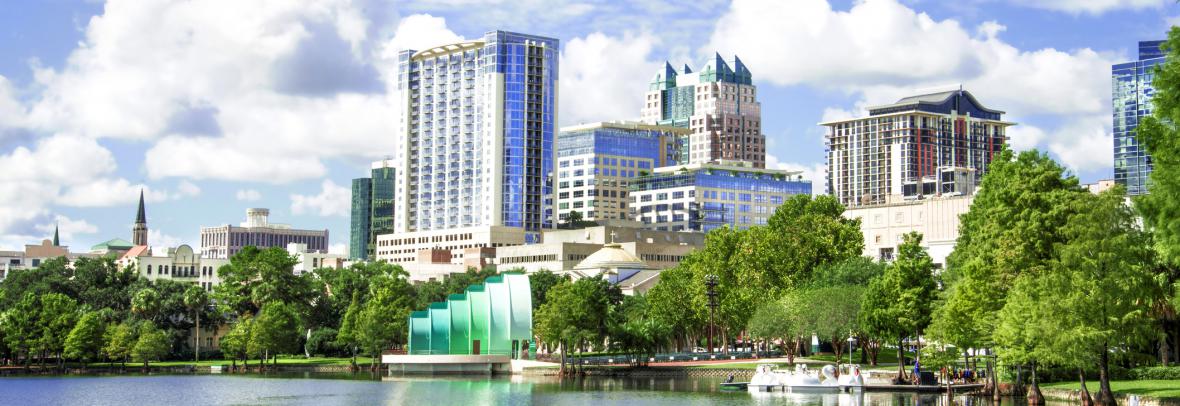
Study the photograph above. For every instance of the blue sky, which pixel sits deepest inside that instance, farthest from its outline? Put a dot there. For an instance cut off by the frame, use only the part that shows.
(217, 106)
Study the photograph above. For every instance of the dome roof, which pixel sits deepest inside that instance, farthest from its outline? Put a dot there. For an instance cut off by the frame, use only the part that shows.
(611, 256)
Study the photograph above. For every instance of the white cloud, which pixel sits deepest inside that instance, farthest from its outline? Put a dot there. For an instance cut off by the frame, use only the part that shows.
(186, 189)
(338, 248)
(106, 192)
(882, 50)
(1084, 145)
(248, 195)
(1025, 137)
(603, 77)
(816, 173)
(333, 200)
(67, 228)
(157, 238)
(12, 113)
(1093, 7)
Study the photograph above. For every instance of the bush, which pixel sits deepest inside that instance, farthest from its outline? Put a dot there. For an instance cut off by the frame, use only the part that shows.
(1155, 373)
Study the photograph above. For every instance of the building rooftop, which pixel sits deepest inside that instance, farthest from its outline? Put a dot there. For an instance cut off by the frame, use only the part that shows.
(611, 256)
(117, 244)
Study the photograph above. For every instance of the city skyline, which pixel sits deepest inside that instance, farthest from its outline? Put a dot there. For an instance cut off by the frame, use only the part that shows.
(93, 109)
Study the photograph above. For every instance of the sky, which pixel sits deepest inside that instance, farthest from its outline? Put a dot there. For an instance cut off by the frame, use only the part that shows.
(212, 107)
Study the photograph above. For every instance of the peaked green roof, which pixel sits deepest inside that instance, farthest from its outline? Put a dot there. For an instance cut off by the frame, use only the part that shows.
(115, 243)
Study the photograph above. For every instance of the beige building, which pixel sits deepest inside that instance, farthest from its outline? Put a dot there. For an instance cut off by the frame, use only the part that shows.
(563, 251)
(936, 218)
(433, 254)
(182, 264)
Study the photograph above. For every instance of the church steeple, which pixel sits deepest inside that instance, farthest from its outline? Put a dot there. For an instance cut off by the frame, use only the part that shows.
(56, 241)
(140, 231)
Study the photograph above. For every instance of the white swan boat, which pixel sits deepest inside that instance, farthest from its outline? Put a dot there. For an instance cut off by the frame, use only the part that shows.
(803, 380)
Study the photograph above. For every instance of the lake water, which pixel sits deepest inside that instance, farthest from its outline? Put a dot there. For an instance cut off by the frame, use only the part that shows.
(320, 389)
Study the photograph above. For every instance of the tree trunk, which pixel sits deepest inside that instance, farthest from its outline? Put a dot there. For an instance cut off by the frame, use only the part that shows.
(1105, 395)
(1035, 397)
(561, 369)
(992, 370)
(1084, 397)
(900, 363)
(197, 352)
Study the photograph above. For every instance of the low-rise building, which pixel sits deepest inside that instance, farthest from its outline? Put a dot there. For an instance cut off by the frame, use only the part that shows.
(311, 260)
(936, 218)
(703, 197)
(562, 250)
(226, 240)
(181, 264)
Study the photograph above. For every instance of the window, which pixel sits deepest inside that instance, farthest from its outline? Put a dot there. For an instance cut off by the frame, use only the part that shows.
(149, 270)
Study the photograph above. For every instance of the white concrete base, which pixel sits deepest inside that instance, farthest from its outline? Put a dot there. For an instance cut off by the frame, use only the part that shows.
(447, 364)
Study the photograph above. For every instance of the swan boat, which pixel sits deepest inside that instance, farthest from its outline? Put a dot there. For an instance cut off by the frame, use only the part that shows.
(803, 380)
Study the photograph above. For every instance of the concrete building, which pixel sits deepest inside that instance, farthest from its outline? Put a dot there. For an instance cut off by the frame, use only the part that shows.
(719, 104)
(182, 264)
(936, 218)
(372, 210)
(919, 146)
(36, 254)
(311, 260)
(226, 240)
(562, 250)
(596, 161)
(702, 197)
(1131, 96)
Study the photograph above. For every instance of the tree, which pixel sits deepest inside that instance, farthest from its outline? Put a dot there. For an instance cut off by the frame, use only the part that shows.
(382, 323)
(576, 314)
(672, 303)
(1011, 228)
(853, 271)
(146, 303)
(236, 343)
(119, 341)
(897, 304)
(152, 344)
(348, 336)
(22, 327)
(255, 277)
(84, 343)
(833, 312)
(1105, 284)
(59, 313)
(275, 330)
(540, 282)
(1024, 330)
(195, 298)
(634, 330)
(781, 320)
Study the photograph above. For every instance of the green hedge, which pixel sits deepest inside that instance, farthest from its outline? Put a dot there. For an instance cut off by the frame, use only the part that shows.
(1155, 373)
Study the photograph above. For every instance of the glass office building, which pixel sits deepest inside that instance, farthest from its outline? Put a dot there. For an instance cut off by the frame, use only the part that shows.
(703, 197)
(596, 162)
(476, 141)
(1132, 91)
(372, 210)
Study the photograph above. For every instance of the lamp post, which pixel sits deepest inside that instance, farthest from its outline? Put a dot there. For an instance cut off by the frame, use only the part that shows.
(850, 340)
(711, 293)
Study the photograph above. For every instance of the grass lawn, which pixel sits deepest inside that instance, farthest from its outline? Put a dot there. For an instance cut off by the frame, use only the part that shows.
(282, 361)
(1157, 389)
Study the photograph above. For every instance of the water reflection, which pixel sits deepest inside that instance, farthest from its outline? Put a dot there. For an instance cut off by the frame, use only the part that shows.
(366, 389)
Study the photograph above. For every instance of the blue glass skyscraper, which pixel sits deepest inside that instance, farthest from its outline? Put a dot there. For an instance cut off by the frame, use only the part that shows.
(1132, 91)
(473, 155)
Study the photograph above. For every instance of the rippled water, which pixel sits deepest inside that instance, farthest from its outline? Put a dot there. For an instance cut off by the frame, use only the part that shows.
(313, 389)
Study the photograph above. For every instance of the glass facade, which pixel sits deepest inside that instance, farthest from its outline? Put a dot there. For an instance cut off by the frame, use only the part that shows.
(360, 228)
(1132, 92)
(479, 138)
(381, 204)
(703, 199)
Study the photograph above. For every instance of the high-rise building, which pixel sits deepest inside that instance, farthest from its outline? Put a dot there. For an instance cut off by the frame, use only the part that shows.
(372, 210)
(719, 104)
(360, 227)
(226, 240)
(934, 144)
(596, 161)
(139, 232)
(475, 144)
(1132, 91)
(702, 197)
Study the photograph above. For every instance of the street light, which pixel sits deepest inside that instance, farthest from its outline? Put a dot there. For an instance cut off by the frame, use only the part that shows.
(711, 293)
(850, 341)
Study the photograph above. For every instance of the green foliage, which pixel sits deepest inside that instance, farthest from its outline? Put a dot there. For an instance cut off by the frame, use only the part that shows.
(781, 320)
(1012, 228)
(897, 304)
(58, 313)
(675, 303)
(635, 330)
(382, 322)
(276, 330)
(854, 271)
(1161, 137)
(349, 337)
(21, 324)
(576, 313)
(1155, 373)
(85, 340)
(146, 303)
(152, 344)
(833, 312)
(53, 276)
(322, 342)
(119, 340)
(236, 342)
(256, 277)
(540, 282)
